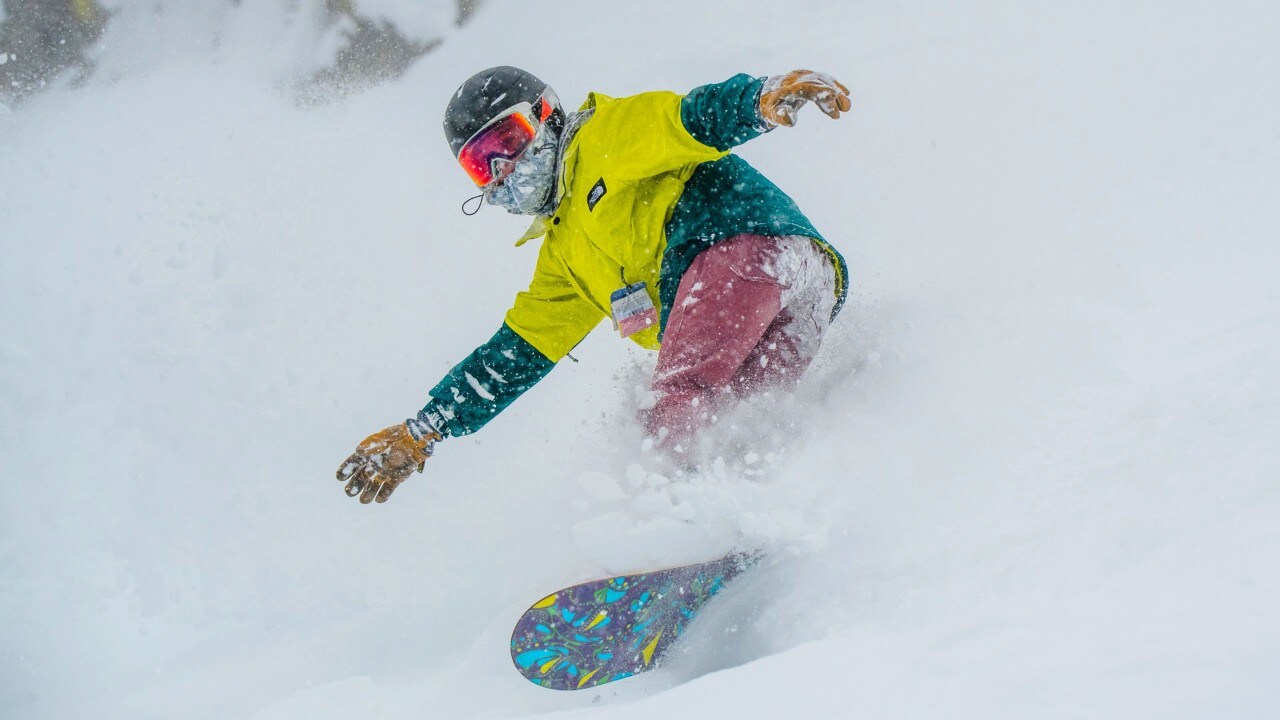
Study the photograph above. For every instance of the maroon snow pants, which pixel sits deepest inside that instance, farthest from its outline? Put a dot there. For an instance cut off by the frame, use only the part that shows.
(749, 315)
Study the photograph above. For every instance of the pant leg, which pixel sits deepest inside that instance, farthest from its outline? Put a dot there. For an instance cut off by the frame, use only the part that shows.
(778, 360)
(750, 314)
(792, 340)
(725, 304)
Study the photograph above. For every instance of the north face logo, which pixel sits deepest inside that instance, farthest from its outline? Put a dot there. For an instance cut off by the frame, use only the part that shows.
(597, 191)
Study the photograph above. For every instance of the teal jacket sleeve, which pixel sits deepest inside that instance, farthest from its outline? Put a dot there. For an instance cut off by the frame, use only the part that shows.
(724, 115)
(484, 384)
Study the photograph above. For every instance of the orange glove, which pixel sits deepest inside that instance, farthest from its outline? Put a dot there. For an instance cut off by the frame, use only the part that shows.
(384, 460)
(783, 95)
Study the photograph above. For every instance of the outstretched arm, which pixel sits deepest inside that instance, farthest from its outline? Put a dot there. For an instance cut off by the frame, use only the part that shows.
(727, 114)
(545, 323)
(483, 385)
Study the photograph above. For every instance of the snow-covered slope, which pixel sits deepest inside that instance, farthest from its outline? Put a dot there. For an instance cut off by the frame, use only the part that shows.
(1033, 472)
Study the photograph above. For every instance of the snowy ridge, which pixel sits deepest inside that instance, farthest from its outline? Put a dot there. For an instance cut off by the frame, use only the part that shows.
(1032, 473)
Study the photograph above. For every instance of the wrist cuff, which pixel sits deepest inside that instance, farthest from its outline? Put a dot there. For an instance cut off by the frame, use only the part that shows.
(423, 424)
(762, 123)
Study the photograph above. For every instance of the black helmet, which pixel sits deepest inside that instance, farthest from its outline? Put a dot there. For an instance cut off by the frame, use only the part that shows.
(491, 93)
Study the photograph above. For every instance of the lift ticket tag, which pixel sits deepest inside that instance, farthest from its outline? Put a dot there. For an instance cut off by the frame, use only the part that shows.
(633, 311)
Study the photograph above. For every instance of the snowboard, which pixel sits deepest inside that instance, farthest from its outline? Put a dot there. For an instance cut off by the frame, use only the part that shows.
(609, 629)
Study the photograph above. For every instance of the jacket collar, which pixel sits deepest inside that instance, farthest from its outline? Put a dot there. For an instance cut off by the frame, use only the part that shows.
(565, 154)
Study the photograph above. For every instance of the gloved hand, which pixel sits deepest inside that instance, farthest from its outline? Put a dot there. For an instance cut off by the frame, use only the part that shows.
(385, 459)
(783, 95)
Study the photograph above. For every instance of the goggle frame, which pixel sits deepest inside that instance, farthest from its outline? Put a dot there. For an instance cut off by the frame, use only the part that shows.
(482, 170)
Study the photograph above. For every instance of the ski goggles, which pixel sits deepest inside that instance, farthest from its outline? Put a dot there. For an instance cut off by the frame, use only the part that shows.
(490, 154)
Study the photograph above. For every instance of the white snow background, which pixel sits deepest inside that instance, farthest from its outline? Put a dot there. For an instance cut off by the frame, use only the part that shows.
(1033, 472)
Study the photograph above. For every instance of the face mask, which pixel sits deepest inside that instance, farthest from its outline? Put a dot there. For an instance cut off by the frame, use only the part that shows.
(528, 189)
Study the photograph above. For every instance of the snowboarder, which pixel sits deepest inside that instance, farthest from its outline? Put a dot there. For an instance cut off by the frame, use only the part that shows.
(649, 220)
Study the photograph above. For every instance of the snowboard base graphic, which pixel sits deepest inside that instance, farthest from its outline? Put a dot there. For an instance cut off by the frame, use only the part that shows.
(609, 629)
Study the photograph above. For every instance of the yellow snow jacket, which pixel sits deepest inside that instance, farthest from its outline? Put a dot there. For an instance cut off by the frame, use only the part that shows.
(623, 173)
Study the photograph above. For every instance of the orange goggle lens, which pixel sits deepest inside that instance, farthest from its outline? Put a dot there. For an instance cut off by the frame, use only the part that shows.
(504, 139)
